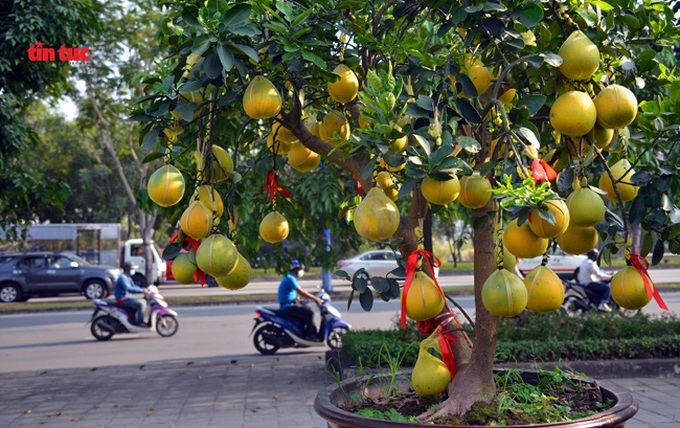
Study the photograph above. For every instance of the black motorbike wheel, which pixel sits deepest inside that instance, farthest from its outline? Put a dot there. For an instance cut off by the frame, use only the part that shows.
(263, 339)
(102, 328)
(573, 306)
(166, 325)
(334, 340)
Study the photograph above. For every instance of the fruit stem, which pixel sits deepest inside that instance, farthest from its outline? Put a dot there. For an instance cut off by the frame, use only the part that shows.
(616, 190)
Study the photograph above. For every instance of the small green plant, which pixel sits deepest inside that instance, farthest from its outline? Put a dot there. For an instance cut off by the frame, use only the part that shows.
(389, 415)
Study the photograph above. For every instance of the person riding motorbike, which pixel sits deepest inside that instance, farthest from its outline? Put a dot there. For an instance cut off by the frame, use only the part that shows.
(122, 292)
(289, 289)
(591, 276)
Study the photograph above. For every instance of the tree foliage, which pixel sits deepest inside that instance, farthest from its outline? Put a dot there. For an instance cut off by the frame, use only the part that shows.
(414, 61)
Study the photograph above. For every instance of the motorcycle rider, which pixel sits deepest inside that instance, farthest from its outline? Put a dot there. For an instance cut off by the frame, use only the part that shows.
(591, 276)
(122, 291)
(289, 289)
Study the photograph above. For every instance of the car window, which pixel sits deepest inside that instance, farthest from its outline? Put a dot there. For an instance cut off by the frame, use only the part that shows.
(5, 259)
(59, 262)
(32, 263)
(389, 256)
(378, 256)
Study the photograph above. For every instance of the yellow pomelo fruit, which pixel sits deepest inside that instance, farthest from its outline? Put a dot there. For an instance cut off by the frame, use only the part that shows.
(303, 159)
(398, 145)
(580, 57)
(578, 240)
(475, 191)
(509, 260)
(274, 227)
(573, 113)
(601, 136)
(440, 192)
(423, 300)
(281, 147)
(346, 88)
(334, 122)
(391, 168)
(622, 173)
(544, 290)
(386, 183)
(628, 288)
(196, 220)
(216, 255)
(507, 96)
(282, 133)
(166, 186)
(504, 294)
(522, 242)
(238, 277)
(542, 227)
(261, 99)
(211, 198)
(586, 208)
(222, 164)
(183, 269)
(616, 107)
(403, 121)
(377, 217)
(430, 375)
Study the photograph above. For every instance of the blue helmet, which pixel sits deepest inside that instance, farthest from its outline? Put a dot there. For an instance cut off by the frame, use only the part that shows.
(295, 264)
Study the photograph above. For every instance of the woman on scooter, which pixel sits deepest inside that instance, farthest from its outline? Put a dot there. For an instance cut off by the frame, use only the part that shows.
(122, 291)
(289, 288)
(591, 276)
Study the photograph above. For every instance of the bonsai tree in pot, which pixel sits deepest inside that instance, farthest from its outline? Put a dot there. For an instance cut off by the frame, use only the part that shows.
(552, 121)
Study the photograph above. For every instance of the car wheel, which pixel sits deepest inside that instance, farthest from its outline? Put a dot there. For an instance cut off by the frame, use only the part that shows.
(95, 289)
(10, 293)
(139, 280)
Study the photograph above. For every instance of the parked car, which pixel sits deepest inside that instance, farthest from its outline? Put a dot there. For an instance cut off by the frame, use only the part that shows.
(376, 263)
(50, 274)
(561, 263)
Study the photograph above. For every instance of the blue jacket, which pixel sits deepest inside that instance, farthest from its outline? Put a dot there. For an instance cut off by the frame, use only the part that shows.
(124, 286)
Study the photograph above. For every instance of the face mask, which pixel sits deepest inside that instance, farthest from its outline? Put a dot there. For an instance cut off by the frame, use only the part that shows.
(300, 273)
(132, 272)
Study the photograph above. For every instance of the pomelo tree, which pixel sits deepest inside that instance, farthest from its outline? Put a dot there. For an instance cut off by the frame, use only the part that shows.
(411, 105)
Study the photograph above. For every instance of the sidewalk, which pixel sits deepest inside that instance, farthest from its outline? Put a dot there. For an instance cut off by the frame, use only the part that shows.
(252, 392)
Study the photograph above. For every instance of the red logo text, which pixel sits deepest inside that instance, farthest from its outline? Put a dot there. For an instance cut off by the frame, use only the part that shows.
(38, 52)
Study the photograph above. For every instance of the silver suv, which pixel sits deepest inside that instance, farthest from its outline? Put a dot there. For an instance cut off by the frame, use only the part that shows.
(25, 275)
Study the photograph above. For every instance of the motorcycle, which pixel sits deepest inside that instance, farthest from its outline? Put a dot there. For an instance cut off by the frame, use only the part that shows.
(276, 331)
(109, 319)
(579, 299)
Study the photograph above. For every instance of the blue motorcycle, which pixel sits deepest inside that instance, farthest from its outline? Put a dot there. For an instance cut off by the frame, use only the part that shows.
(276, 331)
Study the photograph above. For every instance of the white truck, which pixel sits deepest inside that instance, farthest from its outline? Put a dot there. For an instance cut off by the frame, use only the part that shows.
(98, 243)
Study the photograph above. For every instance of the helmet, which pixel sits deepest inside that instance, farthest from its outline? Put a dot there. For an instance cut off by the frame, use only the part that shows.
(295, 264)
(129, 265)
(592, 254)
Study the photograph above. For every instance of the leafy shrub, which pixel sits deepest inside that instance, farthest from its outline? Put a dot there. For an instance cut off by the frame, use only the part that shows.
(534, 337)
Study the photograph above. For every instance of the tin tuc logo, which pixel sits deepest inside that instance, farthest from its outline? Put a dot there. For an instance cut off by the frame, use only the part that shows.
(38, 52)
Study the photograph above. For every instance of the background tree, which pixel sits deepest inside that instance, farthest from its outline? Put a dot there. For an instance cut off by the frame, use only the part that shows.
(434, 72)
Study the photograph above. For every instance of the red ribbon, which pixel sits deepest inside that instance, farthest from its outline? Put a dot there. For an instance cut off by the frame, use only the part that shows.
(411, 262)
(359, 188)
(273, 186)
(641, 264)
(541, 171)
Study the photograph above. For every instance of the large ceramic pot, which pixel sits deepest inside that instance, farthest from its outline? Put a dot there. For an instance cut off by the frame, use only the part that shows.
(330, 400)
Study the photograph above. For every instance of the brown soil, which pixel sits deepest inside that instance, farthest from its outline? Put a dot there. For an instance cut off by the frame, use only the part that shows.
(580, 402)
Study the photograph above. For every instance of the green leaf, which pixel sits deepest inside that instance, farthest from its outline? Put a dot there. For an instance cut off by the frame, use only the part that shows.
(314, 59)
(342, 274)
(605, 6)
(551, 58)
(440, 154)
(469, 144)
(151, 157)
(226, 57)
(533, 103)
(171, 251)
(657, 254)
(360, 281)
(422, 142)
(468, 111)
(237, 16)
(186, 111)
(212, 66)
(201, 44)
(380, 284)
(150, 138)
(366, 300)
(531, 14)
(646, 246)
(425, 103)
(190, 16)
(250, 52)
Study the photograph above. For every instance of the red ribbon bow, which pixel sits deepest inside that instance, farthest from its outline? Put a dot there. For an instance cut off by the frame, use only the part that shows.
(541, 171)
(641, 264)
(273, 186)
(411, 262)
(199, 275)
(359, 188)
